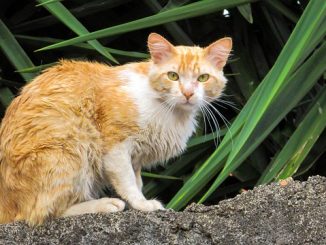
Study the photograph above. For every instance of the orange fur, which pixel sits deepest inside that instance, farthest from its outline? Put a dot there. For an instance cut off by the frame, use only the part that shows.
(63, 113)
(55, 134)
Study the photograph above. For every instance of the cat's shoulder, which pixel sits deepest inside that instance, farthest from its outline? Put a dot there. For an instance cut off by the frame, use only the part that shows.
(67, 65)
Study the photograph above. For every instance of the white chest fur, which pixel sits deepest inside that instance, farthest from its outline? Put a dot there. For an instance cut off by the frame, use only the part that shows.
(164, 133)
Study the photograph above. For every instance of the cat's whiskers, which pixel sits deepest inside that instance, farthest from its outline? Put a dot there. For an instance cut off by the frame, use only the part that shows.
(232, 105)
(225, 102)
(216, 103)
(203, 115)
(226, 122)
(216, 124)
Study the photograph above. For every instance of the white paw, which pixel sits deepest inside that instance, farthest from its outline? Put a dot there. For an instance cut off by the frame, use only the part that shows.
(147, 205)
(109, 205)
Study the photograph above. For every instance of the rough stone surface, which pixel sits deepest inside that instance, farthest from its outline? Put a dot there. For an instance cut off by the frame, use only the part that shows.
(281, 213)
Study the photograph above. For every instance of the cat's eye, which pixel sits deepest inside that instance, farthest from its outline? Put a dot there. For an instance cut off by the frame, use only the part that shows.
(173, 76)
(203, 78)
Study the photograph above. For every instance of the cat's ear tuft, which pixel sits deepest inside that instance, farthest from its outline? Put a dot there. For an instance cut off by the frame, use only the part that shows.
(160, 49)
(219, 51)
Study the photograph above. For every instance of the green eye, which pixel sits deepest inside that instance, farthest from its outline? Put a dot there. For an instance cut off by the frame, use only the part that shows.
(203, 78)
(173, 76)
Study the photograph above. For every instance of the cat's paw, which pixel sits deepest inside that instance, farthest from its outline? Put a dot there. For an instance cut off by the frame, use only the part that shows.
(147, 205)
(109, 205)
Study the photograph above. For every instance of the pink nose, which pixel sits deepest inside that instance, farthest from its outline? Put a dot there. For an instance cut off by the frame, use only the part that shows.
(188, 94)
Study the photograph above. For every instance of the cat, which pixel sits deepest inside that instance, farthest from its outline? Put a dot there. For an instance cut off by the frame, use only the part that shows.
(81, 126)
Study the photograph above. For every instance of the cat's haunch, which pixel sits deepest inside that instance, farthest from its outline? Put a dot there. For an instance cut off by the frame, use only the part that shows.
(81, 126)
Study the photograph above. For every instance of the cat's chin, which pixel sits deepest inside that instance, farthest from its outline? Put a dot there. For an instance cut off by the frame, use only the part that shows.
(187, 106)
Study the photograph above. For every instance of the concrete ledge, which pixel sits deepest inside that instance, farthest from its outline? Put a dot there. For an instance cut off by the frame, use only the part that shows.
(281, 213)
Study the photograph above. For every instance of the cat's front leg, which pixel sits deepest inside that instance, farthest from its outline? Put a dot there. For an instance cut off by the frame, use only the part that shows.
(139, 181)
(120, 173)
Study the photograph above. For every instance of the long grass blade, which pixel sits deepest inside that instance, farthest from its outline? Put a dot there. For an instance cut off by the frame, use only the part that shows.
(279, 6)
(159, 176)
(63, 14)
(81, 11)
(301, 82)
(47, 40)
(301, 36)
(36, 68)
(14, 52)
(245, 11)
(273, 115)
(152, 188)
(298, 146)
(6, 96)
(175, 14)
(202, 139)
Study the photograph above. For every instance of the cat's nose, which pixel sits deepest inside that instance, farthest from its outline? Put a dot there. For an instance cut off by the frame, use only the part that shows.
(188, 94)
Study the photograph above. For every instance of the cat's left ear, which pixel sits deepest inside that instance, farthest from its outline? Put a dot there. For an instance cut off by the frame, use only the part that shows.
(219, 51)
(160, 49)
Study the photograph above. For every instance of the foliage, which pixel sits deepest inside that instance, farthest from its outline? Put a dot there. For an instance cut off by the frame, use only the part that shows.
(275, 77)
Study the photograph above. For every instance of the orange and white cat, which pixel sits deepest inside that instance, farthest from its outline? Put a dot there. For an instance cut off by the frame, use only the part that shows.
(81, 126)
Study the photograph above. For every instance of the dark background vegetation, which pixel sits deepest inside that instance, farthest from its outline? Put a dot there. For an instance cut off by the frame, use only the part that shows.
(256, 48)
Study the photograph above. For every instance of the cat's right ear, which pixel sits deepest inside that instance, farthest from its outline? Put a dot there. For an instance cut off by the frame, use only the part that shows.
(160, 49)
(219, 51)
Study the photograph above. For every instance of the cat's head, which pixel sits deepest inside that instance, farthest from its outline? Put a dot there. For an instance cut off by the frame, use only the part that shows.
(184, 76)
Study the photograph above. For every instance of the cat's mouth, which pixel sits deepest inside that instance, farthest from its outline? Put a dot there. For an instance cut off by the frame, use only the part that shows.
(183, 104)
(187, 105)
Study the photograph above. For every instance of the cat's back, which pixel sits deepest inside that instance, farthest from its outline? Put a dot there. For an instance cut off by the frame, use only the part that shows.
(56, 105)
(73, 78)
(60, 88)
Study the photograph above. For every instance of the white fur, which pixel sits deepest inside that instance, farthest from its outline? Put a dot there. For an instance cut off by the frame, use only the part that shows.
(120, 171)
(163, 133)
(103, 205)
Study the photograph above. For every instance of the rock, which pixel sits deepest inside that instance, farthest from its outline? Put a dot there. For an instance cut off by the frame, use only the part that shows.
(290, 212)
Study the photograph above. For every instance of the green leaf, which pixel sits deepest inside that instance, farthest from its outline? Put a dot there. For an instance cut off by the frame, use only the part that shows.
(159, 176)
(180, 13)
(301, 82)
(198, 140)
(315, 153)
(47, 40)
(245, 11)
(173, 28)
(36, 68)
(279, 6)
(201, 177)
(47, 2)
(6, 96)
(9, 83)
(83, 10)
(152, 188)
(63, 14)
(280, 29)
(14, 51)
(301, 36)
(213, 164)
(298, 146)
(285, 64)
